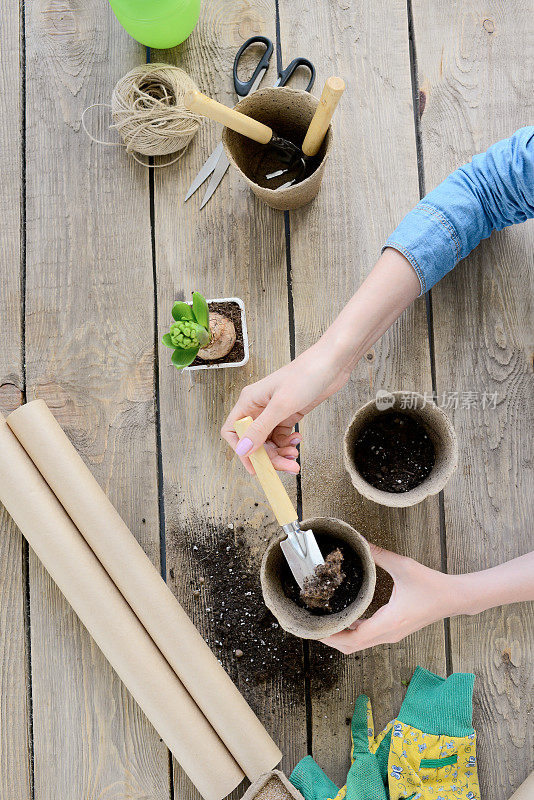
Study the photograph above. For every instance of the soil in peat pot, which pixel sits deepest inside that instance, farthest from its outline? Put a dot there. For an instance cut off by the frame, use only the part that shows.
(347, 590)
(241, 630)
(233, 312)
(394, 452)
(274, 789)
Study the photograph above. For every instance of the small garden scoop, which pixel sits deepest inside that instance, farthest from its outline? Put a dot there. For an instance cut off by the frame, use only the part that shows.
(290, 159)
(300, 547)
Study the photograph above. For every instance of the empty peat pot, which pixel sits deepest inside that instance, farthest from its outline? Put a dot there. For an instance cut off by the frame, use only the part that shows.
(436, 425)
(289, 113)
(301, 621)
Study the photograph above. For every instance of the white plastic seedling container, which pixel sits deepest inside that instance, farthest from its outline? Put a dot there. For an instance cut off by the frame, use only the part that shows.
(246, 355)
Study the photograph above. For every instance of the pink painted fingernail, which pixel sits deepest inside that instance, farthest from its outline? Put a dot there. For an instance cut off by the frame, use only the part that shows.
(292, 458)
(294, 441)
(243, 446)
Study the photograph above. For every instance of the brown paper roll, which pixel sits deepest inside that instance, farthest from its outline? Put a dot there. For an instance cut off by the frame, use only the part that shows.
(143, 588)
(526, 790)
(112, 623)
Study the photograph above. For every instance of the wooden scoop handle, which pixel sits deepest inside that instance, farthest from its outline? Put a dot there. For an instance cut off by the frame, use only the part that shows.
(333, 89)
(200, 104)
(271, 484)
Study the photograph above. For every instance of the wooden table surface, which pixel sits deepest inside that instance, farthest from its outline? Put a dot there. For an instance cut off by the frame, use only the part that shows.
(96, 248)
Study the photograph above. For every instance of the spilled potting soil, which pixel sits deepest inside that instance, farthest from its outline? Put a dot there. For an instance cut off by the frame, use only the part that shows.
(242, 632)
(394, 452)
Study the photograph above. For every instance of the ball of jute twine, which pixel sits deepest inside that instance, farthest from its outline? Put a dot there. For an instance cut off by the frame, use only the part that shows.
(148, 111)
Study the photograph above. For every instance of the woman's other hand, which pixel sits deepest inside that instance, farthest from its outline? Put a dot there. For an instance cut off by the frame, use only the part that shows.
(276, 403)
(420, 596)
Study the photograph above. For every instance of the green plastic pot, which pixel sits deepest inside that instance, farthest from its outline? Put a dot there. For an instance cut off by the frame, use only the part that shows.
(157, 23)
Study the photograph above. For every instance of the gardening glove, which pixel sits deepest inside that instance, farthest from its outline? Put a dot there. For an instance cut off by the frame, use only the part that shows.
(427, 753)
(368, 773)
(312, 782)
(432, 755)
(367, 777)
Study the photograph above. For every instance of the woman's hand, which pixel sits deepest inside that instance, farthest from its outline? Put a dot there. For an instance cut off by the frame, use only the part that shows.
(420, 596)
(279, 401)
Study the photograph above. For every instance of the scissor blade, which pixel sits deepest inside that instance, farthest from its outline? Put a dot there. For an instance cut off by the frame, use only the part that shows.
(205, 171)
(259, 78)
(216, 178)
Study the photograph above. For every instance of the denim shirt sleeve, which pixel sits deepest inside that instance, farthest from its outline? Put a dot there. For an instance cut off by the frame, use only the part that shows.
(494, 190)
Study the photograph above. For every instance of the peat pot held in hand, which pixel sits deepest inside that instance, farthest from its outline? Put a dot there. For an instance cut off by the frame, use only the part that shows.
(400, 448)
(289, 113)
(281, 593)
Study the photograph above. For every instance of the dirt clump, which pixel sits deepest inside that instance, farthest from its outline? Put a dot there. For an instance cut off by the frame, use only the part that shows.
(346, 591)
(319, 588)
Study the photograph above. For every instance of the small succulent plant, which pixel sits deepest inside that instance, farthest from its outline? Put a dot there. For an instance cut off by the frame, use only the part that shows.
(189, 332)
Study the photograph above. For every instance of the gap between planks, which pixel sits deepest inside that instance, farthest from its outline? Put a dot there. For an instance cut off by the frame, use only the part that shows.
(24, 543)
(157, 405)
(428, 302)
(292, 352)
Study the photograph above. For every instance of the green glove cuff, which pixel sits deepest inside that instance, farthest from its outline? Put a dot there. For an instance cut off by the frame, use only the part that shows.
(312, 782)
(440, 706)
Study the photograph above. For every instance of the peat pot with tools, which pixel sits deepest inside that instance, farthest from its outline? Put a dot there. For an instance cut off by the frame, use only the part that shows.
(217, 163)
(318, 576)
(399, 449)
(278, 139)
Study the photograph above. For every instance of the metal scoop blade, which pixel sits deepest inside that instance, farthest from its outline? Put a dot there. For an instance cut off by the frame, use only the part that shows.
(300, 547)
(301, 551)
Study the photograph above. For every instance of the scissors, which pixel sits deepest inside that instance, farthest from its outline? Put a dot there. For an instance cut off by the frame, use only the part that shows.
(217, 163)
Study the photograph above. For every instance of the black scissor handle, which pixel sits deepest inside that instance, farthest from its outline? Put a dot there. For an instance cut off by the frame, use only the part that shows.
(243, 87)
(286, 73)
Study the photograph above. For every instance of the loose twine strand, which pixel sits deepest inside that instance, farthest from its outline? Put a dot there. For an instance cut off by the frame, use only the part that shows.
(148, 112)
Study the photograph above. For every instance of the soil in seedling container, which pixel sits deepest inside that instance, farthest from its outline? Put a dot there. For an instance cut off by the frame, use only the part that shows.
(394, 452)
(274, 789)
(237, 353)
(265, 159)
(349, 587)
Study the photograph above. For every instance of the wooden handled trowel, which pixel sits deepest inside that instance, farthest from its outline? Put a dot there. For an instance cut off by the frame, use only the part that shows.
(300, 547)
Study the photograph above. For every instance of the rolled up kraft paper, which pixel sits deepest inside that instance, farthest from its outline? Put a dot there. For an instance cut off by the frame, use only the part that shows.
(143, 588)
(112, 623)
(526, 790)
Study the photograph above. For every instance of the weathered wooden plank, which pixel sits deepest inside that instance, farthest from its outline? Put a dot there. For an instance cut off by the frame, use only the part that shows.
(370, 183)
(89, 327)
(475, 68)
(234, 246)
(14, 733)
